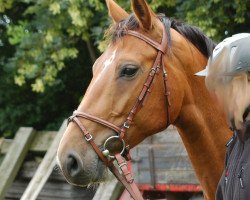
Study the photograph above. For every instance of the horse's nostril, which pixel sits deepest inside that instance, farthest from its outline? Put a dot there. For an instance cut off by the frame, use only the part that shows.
(73, 166)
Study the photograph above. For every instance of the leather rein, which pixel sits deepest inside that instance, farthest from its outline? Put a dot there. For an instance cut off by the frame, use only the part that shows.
(125, 177)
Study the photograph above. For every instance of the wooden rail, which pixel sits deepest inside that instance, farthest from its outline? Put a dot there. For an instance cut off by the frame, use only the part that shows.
(109, 191)
(14, 151)
(164, 148)
(45, 168)
(14, 158)
(40, 143)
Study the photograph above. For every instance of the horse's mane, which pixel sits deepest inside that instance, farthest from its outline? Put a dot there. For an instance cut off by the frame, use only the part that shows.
(204, 44)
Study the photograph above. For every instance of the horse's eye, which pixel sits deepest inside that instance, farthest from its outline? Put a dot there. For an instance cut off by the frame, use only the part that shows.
(128, 71)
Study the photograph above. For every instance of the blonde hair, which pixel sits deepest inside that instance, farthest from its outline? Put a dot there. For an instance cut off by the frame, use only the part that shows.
(233, 92)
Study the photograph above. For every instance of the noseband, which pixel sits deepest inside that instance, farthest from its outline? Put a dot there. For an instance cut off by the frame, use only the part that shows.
(126, 178)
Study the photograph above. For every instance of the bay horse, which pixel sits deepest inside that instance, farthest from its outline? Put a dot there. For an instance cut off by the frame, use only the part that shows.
(119, 76)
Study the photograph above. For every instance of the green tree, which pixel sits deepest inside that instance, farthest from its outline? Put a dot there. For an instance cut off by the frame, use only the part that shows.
(47, 48)
(45, 37)
(23, 62)
(217, 18)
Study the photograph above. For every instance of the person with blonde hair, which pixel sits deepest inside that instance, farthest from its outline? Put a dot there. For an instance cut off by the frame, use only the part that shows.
(228, 79)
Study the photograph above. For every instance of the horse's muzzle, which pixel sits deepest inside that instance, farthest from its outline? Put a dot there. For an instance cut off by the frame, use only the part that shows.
(78, 170)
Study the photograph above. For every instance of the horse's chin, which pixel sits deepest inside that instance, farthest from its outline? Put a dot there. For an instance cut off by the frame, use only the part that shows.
(92, 183)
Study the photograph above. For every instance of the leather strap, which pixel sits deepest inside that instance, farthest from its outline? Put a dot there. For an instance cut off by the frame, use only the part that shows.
(143, 94)
(167, 93)
(130, 184)
(130, 187)
(97, 119)
(160, 47)
(88, 137)
(126, 177)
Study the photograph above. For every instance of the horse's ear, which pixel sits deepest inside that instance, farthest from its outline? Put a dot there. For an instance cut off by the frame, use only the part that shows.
(143, 12)
(115, 11)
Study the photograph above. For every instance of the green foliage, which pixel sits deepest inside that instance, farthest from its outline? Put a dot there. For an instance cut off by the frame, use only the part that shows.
(19, 106)
(5, 4)
(217, 18)
(45, 50)
(46, 37)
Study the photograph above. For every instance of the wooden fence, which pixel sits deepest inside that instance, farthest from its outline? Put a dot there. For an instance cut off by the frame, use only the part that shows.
(14, 158)
(27, 140)
(16, 151)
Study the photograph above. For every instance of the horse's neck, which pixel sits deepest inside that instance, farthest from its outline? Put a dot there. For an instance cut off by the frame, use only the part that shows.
(204, 135)
(202, 127)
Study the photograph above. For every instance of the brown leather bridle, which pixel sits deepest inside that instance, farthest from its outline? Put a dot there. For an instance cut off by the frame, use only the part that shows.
(125, 177)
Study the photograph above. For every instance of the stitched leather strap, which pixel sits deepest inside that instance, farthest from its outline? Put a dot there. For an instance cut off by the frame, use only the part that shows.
(160, 47)
(126, 174)
(126, 177)
(143, 94)
(130, 187)
(97, 119)
(88, 137)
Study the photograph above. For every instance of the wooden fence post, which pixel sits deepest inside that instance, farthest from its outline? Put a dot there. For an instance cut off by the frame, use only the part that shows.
(110, 190)
(14, 158)
(45, 168)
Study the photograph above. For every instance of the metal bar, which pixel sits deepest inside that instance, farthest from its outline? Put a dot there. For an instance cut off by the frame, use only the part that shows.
(171, 187)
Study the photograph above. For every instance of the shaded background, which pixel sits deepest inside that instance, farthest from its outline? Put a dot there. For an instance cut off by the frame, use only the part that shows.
(47, 49)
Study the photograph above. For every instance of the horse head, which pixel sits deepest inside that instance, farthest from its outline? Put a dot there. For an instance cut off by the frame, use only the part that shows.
(119, 76)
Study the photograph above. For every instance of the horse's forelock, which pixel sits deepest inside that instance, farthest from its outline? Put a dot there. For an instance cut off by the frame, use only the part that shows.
(118, 30)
